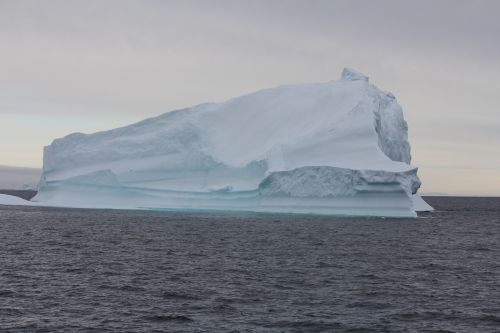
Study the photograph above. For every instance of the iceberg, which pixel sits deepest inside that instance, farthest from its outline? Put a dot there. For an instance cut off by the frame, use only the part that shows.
(338, 147)
(11, 200)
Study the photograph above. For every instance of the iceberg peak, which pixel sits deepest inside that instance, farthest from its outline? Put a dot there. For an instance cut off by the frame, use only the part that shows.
(349, 74)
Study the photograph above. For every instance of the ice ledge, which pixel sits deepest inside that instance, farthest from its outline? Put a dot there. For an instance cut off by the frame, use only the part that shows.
(349, 74)
(11, 200)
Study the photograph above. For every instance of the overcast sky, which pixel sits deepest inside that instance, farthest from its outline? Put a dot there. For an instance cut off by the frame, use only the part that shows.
(84, 66)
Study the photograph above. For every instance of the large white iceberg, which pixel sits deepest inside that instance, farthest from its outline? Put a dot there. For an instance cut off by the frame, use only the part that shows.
(337, 147)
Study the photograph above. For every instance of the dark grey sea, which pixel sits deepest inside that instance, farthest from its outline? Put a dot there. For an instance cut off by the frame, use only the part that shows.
(75, 270)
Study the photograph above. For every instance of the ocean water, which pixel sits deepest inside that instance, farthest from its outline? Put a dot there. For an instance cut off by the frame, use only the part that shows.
(75, 270)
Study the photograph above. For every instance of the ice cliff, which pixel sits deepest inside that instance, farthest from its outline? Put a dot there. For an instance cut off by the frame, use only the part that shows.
(338, 147)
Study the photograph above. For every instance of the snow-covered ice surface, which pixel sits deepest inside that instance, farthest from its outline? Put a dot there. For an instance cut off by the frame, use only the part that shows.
(338, 147)
(14, 201)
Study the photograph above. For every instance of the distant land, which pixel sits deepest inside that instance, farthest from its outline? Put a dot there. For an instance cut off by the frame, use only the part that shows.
(436, 194)
(19, 178)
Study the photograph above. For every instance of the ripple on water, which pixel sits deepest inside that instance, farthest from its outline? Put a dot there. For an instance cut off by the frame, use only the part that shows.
(73, 270)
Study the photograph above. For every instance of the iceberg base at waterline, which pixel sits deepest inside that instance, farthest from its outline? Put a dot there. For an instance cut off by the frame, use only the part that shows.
(307, 190)
(385, 205)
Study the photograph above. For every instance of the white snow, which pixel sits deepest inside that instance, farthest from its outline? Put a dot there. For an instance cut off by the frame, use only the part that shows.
(419, 205)
(13, 201)
(337, 147)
